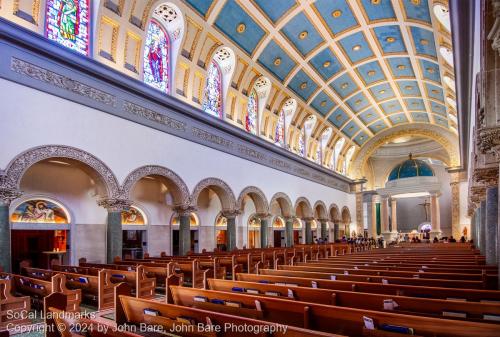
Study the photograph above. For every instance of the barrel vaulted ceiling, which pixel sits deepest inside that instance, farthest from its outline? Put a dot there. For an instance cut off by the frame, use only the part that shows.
(364, 65)
(367, 68)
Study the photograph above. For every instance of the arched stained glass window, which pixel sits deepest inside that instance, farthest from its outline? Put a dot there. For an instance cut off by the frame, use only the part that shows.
(252, 112)
(212, 95)
(279, 137)
(338, 148)
(317, 158)
(67, 22)
(301, 147)
(157, 57)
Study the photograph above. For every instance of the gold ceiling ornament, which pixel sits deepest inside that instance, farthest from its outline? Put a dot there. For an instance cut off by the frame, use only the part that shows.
(303, 35)
(326, 64)
(356, 47)
(337, 13)
(409, 87)
(390, 39)
(303, 85)
(323, 103)
(344, 85)
(358, 102)
(277, 61)
(398, 118)
(431, 70)
(351, 128)
(241, 28)
(424, 42)
(371, 73)
(369, 115)
(434, 91)
(415, 2)
(339, 117)
(375, 2)
(361, 137)
(401, 67)
(382, 91)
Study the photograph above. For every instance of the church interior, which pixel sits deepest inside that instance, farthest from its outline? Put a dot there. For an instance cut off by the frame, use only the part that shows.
(294, 168)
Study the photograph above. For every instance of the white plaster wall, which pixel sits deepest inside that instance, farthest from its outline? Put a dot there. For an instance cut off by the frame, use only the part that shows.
(124, 145)
(464, 219)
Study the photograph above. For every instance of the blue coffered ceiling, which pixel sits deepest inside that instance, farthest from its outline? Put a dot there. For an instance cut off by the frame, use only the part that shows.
(362, 65)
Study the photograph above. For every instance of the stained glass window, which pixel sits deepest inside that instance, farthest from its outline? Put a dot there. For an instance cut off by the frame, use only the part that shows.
(252, 111)
(157, 57)
(279, 137)
(212, 95)
(338, 147)
(301, 148)
(317, 159)
(67, 22)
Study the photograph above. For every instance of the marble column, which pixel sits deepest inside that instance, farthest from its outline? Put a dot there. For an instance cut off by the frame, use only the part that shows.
(385, 214)
(114, 234)
(336, 231)
(374, 216)
(308, 230)
(6, 197)
(184, 229)
(231, 230)
(324, 230)
(394, 216)
(289, 231)
(264, 228)
(435, 217)
(491, 224)
(482, 228)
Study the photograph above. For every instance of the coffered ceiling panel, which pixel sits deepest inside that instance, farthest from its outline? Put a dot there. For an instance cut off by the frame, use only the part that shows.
(363, 66)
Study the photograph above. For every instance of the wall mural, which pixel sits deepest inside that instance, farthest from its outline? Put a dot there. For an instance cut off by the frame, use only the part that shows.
(67, 22)
(133, 216)
(40, 211)
(278, 222)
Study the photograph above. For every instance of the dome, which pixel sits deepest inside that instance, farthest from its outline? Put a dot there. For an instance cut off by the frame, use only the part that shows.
(411, 168)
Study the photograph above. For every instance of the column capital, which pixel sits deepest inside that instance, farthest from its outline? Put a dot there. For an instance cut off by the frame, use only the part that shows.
(7, 195)
(488, 139)
(487, 176)
(114, 204)
(263, 216)
(184, 210)
(323, 220)
(310, 218)
(231, 214)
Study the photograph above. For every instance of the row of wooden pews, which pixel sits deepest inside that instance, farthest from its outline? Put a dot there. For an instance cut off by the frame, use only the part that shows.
(309, 290)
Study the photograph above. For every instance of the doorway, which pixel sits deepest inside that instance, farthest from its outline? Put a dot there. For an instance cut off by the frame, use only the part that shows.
(279, 238)
(221, 239)
(38, 248)
(134, 244)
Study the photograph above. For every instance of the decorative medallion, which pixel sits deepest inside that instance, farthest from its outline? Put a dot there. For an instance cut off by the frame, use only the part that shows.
(323, 103)
(326, 64)
(337, 13)
(371, 73)
(356, 47)
(241, 28)
(424, 42)
(303, 85)
(303, 35)
(401, 67)
(390, 39)
(277, 61)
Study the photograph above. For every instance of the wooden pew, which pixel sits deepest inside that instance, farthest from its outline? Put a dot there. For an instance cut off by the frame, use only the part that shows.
(378, 279)
(327, 318)
(185, 320)
(13, 309)
(405, 305)
(38, 289)
(473, 295)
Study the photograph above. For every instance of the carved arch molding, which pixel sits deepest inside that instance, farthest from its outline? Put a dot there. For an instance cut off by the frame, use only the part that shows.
(445, 138)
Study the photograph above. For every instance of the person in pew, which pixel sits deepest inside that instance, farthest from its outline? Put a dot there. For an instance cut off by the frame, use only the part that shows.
(462, 239)
(452, 239)
(436, 240)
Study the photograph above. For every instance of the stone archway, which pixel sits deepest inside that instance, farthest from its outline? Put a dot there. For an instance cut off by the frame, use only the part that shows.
(178, 187)
(222, 190)
(258, 197)
(304, 206)
(12, 176)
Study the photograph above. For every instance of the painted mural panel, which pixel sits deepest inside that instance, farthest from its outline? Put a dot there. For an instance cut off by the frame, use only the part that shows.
(40, 211)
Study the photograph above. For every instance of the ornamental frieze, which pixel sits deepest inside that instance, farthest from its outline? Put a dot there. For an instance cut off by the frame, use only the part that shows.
(61, 81)
(153, 116)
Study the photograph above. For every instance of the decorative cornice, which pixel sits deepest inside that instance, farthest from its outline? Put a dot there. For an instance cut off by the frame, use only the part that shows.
(489, 139)
(115, 204)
